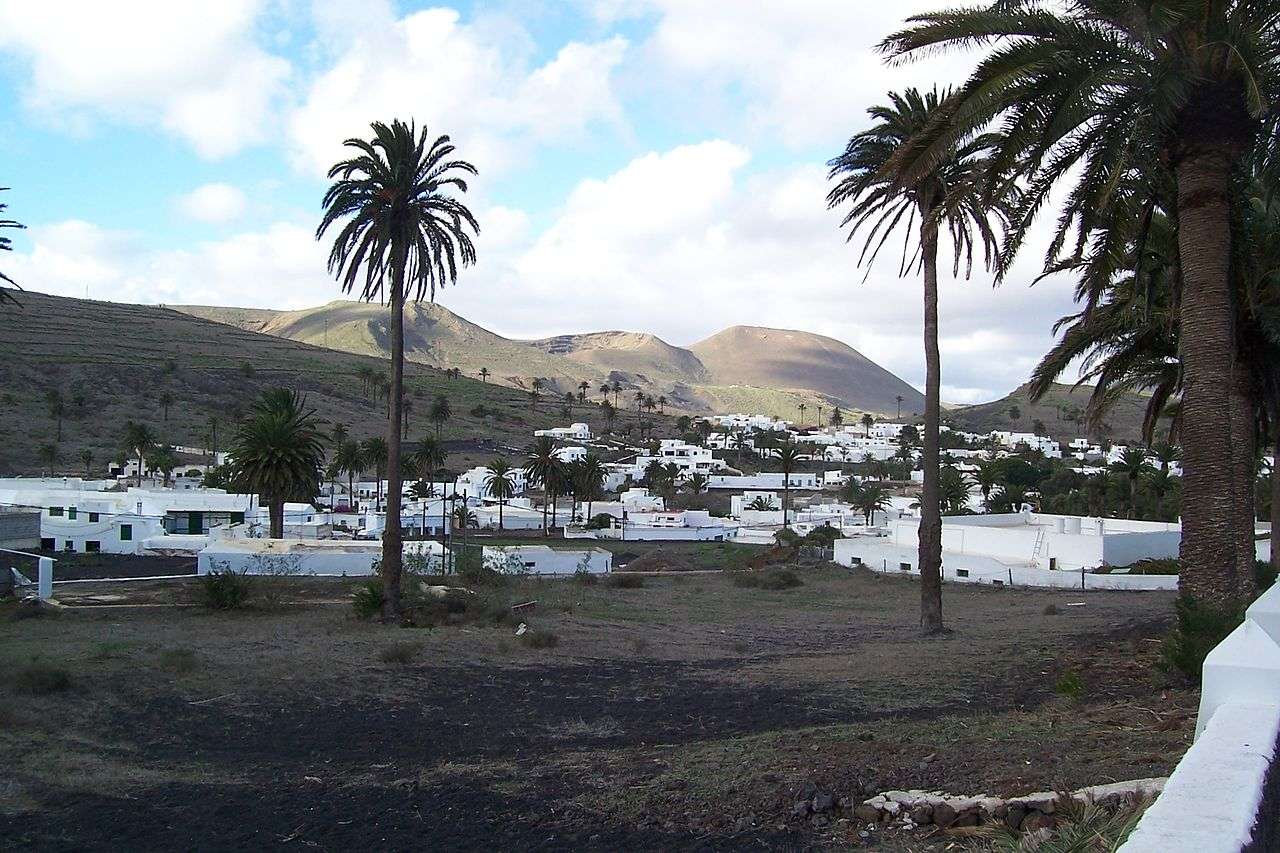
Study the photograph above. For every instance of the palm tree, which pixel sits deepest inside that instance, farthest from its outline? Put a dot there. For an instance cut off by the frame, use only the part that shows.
(213, 439)
(277, 452)
(440, 412)
(609, 413)
(868, 421)
(954, 490)
(542, 468)
(1133, 465)
(583, 387)
(837, 417)
(952, 194)
(463, 517)
(6, 246)
(138, 441)
(535, 388)
(86, 456)
(604, 390)
(869, 497)
(616, 387)
(802, 407)
(1188, 83)
(48, 454)
(898, 400)
(338, 434)
(484, 375)
(500, 483)
(349, 459)
(406, 232)
(987, 477)
(377, 453)
(57, 408)
(406, 408)
(662, 401)
(788, 454)
(697, 483)
(166, 400)
(590, 475)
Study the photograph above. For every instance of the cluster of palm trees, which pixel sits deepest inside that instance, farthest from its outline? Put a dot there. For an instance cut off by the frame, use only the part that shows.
(1155, 124)
(581, 479)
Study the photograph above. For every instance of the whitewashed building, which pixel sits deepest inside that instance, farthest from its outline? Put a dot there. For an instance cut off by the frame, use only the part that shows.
(545, 560)
(573, 432)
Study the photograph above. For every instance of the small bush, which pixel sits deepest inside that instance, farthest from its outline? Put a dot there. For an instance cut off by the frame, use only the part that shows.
(399, 653)
(1264, 575)
(585, 578)
(1051, 610)
(1198, 629)
(366, 600)
(224, 589)
(625, 581)
(770, 579)
(600, 521)
(823, 537)
(473, 571)
(41, 680)
(540, 638)
(181, 661)
(787, 538)
(1069, 684)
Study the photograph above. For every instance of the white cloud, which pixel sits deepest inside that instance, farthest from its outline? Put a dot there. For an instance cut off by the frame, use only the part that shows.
(473, 81)
(806, 68)
(193, 69)
(214, 203)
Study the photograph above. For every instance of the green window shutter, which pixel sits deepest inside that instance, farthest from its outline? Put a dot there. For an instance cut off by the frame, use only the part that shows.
(126, 533)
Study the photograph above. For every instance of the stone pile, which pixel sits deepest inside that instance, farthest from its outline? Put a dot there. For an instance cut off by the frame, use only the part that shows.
(911, 809)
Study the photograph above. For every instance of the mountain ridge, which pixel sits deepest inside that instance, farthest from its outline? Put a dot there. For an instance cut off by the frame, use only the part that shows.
(772, 371)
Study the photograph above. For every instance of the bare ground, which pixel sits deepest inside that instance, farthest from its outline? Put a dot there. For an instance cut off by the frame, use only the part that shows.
(688, 714)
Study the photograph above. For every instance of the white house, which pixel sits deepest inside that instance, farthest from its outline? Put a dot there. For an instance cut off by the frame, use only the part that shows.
(573, 432)
(1025, 549)
(545, 560)
(765, 480)
(689, 458)
(80, 516)
(471, 483)
(684, 526)
(571, 453)
(769, 500)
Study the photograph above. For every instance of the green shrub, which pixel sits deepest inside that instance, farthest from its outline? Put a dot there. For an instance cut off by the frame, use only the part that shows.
(600, 521)
(39, 679)
(823, 537)
(585, 578)
(472, 570)
(224, 589)
(770, 579)
(1198, 629)
(786, 537)
(1264, 575)
(1069, 684)
(539, 638)
(399, 653)
(622, 580)
(1051, 610)
(366, 600)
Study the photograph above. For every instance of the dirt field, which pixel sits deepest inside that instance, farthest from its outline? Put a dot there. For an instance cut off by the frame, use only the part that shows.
(688, 714)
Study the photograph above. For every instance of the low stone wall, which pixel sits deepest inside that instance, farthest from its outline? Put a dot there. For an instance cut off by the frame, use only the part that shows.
(910, 809)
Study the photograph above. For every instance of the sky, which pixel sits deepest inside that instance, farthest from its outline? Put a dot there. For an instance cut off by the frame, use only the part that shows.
(646, 165)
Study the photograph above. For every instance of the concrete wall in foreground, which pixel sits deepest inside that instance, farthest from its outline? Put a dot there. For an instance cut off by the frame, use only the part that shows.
(1224, 795)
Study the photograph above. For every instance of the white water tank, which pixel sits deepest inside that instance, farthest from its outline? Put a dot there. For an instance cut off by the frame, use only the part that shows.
(1071, 525)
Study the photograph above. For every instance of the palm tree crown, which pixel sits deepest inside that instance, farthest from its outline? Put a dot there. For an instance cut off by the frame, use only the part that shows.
(277, 452)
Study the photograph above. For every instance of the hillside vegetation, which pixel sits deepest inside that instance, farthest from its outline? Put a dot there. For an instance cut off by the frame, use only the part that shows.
(1058, 410)
(112, 362)
(743, 368)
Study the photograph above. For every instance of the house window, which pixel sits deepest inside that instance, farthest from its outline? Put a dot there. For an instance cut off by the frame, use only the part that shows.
(855, 561)
(906, 567)
(71, 513)
(237, 518)
(92, 546)
(68, 546)
(1053, 564)
(55, 511)
(126, 533)
(93, 518)
(962, 573)
(47, 544)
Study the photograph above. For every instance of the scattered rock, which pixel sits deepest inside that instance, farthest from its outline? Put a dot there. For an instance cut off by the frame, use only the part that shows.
(1013, 818)
(867, 813)
(800, 808)
(922, 813)
(823, 802)
(944, 815)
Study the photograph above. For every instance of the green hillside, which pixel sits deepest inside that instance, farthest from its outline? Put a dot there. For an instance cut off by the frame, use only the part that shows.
(1056, 410)
(113, 362)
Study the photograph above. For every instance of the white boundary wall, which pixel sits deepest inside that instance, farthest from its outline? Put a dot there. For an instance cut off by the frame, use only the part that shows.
(1221, 797)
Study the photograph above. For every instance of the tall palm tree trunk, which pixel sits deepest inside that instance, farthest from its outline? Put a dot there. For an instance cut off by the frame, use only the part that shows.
(275, 510)
(1244, 464)
(930, 538)
(1210, 571)
(392, 542)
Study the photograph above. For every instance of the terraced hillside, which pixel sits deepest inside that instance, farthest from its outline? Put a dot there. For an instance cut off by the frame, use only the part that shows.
(112, 362)
(1058, 411)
